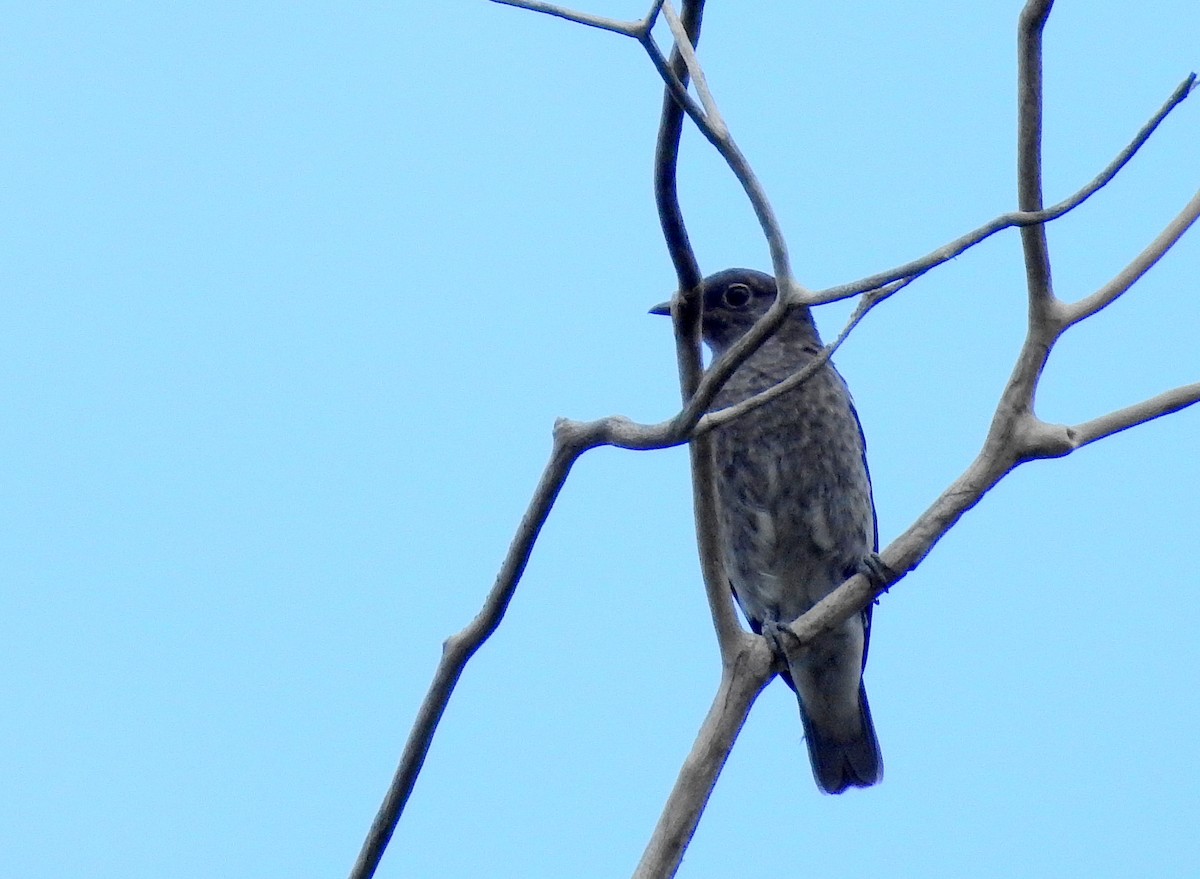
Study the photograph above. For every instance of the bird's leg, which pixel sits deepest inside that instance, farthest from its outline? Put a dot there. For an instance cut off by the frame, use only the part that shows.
(877, 571)
(783, 642)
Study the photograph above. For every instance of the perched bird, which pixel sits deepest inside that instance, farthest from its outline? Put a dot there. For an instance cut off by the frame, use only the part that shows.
(796, 515)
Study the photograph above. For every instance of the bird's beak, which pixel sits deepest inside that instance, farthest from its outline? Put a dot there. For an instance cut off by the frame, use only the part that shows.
(663, 308)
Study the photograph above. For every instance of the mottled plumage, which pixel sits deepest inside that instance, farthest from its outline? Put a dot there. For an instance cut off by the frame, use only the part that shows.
(797, 516)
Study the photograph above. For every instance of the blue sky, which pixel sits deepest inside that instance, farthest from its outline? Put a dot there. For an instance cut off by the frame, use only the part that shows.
(292, 294)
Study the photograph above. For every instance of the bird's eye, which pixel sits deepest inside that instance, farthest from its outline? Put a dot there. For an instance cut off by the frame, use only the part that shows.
(736, 295)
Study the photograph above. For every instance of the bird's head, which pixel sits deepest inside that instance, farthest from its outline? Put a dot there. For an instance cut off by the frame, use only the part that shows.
(733, 300)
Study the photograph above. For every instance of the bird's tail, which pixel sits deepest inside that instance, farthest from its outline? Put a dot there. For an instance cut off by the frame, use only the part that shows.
(844, 755)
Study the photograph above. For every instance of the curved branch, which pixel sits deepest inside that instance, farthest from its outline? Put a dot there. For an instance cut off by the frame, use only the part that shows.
(666, 182)
(675, 77)
(686, 321)
(458, 650)
(794, 293)
(715, 378)
(684, 43)
(958, 246)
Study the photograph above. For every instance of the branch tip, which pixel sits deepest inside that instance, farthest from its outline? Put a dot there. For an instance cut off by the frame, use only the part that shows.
(624, 28)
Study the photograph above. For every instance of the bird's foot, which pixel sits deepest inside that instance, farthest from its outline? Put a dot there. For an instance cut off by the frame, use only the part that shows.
(878, 573)
(782, 640)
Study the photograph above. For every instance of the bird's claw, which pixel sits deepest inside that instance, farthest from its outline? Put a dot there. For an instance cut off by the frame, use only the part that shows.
(781, 639)
(877, 571)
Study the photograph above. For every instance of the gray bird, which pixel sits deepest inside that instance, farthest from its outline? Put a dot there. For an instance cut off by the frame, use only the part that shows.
(796, 515)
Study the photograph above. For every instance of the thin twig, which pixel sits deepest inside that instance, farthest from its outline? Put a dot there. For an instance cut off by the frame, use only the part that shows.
(958, 246)
(718, 135)
(678, 428)
(652, 15)
(687, 52)
(1142, 263)
(687, 313)
(666, 191)
(625, 28)
(713, 420)
(1131, 416)
(729, 151)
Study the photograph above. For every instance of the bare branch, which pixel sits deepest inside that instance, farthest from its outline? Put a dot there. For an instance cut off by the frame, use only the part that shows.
(458, 650)
(907, 551)
(1142, 263)
(666, 195)
(723, 142)
(713, 420)
(686, 321)
(746, 673)
(958, 246)
(1031, 24)
(1015, 435)
(625, 28)
(652, 15)
(694, 420)
(1131, 416)
(687, 52)
(676, 81)
(729, 151)
(1029, 441)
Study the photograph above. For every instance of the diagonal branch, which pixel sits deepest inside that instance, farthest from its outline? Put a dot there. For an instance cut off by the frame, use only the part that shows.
(1131, 416)
(458, 650)
(687, 51)
(958, 246)
(745, 674)
(725, 146)
(1016, 434)
(713, 420)
(908, 550)
(714, 379)
(625, 28)
(708, 120)
(1142, 263)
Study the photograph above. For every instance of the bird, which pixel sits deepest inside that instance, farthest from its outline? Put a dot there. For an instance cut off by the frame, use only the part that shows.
(796, 515)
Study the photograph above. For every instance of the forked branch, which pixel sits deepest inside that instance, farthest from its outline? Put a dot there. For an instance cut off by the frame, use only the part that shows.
(1016, 434)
